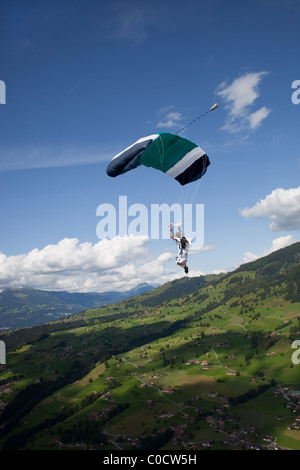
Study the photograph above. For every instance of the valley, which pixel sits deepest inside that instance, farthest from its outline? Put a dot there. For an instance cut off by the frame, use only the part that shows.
(209, 369)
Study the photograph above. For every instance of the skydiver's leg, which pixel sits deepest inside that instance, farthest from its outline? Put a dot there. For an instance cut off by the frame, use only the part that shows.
(184, 266)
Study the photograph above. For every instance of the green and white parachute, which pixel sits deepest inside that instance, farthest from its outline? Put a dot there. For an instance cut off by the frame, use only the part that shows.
(173, 155)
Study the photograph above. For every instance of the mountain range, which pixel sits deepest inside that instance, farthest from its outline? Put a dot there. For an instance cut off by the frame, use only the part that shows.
(24, 307)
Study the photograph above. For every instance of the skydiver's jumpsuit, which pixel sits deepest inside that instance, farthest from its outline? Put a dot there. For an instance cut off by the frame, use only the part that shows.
(182, 253)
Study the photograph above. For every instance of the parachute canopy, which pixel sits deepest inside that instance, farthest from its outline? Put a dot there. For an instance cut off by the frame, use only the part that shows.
(176, 156)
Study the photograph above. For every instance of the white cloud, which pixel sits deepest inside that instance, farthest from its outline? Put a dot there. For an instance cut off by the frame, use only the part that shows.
(282, 206)
(256, 118)
(248, 257)
(49, 156)
(208, 247)
(169, 117)
(281, 242)
(116, 264)
(239, 97)
(277, 244)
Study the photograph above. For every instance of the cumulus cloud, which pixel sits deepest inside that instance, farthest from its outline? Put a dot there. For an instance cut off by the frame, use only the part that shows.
(277, 244)
(208, 247)
(256, 118)
(116, 264)
(249, 257)
(169, 117)
(281, 242)
(239, 97)
(282, 206)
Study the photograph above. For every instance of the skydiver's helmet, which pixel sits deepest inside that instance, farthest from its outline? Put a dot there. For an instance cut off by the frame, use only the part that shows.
(177, 235)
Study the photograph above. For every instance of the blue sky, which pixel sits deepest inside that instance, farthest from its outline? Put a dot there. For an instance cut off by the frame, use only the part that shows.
(85, 79)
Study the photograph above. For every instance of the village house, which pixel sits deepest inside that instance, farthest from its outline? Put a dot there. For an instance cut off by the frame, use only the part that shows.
(210, 420)
(229, 418)
(169, 390)
(268, 438)
(221, 426)
(166, 415)
(206, 444)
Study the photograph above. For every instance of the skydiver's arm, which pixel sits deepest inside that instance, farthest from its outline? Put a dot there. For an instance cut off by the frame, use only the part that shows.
(171, 233)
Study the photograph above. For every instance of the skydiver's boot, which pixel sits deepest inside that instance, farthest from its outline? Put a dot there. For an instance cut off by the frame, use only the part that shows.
(186, 269)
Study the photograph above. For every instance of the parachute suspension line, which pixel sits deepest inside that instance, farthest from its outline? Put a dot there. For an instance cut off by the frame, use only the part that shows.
(182, 196)
(215, 106)
(199, 117)
(161, 151)
(195, 191)
(181, 201)
(187, 194)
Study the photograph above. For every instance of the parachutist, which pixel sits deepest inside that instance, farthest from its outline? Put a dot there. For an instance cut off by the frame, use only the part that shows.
(183, 246)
